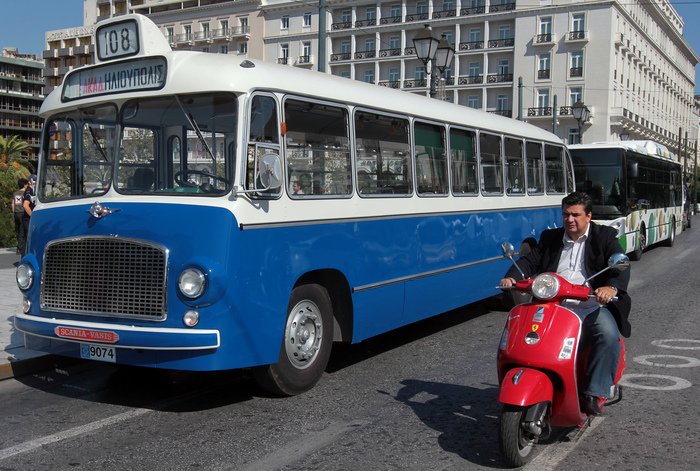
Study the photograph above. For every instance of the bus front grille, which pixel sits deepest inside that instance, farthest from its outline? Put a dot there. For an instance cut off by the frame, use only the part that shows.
(105, 276)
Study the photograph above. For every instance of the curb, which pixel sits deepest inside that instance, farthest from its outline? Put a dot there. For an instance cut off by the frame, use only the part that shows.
(30, 366)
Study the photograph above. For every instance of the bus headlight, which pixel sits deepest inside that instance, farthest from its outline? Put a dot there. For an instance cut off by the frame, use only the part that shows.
(24, 276)
(545, 286)
(192, 282)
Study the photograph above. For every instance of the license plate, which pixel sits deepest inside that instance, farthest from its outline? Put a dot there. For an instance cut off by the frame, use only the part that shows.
(98, 352)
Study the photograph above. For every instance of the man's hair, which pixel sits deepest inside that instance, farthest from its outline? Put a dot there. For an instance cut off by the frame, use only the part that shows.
(21, 183)
(578, 197)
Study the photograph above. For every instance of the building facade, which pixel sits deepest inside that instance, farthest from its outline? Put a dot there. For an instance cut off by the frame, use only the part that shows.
(20, 98)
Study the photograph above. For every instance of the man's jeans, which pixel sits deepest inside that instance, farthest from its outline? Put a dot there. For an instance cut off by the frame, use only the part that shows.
(600, 332)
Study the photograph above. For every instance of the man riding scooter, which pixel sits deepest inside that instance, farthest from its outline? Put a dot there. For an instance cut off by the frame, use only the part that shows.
(576, 251)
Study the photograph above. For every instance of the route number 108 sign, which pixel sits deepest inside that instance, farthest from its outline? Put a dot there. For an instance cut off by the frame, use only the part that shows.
(117, 40)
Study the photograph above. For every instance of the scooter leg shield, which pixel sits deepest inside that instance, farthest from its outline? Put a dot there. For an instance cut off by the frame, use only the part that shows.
(524, 387)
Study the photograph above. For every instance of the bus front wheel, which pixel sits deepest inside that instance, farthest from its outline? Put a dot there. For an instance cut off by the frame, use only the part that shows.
(306, 346)
(641, 244)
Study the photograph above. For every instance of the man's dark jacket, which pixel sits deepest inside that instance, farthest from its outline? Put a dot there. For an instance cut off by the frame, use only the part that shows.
(600, 245)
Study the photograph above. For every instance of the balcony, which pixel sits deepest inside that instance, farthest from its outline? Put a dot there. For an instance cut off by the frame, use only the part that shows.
(577, 36)
(366, 55)
(417, 16)
(390, 20)
(367, 22)
(502, 7)
(541, 111)
(473, 10)
(390, 52)
(409, 51)
(444, 14)
(470, 79)
(304, 60)
(499, 78)
(508, 42)
(543, 74)
(185, 38)
(390, 83)
(576, 72)
(283, 60)
(471, 45)
(416, 83)
(543, 39)
(341, 25)
(506, 113)
(566, 111)
(343, 56)
(203, 36)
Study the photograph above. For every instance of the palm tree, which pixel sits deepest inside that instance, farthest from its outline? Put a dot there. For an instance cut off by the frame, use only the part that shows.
(12, 147)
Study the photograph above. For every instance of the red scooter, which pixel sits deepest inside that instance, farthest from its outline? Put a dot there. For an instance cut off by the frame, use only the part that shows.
(540, 365)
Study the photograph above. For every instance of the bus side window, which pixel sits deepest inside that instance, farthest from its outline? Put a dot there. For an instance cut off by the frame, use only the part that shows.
(463, 153)
(491, 164)
(431, 159)
(554, 168)
(263, 136)
(515, 175)
(535, 169)
(60, 166)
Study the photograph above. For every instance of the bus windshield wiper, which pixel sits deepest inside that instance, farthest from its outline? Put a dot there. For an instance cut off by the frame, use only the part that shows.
(194, 125)
(97, 144)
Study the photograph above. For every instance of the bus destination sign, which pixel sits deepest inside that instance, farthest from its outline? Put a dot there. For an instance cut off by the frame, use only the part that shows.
(127, 76)
(117, 40)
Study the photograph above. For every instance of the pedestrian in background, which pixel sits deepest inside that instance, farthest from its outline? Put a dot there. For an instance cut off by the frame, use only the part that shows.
(18, 210)
(28, 206)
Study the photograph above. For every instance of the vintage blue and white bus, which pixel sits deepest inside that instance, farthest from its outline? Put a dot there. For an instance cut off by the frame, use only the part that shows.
(206, 212)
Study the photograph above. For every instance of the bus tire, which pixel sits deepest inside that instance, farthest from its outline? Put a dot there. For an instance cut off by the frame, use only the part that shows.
(672, 234)
(306, 346)
(641, 244)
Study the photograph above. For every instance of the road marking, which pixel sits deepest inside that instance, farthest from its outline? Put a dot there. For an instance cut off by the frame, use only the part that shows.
(689, 362)
(677, 383)
(554, 453)
(300, 449)
(664, 343)
(70, 433)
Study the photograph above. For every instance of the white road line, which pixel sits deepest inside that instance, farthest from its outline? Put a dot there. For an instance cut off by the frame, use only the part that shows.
(300, 449)
(70, 433)
(554, 453)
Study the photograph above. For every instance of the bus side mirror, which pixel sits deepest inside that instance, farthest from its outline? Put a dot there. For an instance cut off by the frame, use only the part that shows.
(633, 170)
(269, 172)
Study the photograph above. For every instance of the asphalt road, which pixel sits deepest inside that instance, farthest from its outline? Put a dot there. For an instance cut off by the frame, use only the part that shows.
(423, 397)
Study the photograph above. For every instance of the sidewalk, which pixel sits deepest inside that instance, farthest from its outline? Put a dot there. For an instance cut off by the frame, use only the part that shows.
(15, 360)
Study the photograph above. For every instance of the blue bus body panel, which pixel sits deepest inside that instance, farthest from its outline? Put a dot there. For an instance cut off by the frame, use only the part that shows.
(399, 270)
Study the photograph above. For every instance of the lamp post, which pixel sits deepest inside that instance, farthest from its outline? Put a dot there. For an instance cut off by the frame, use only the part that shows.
(439, 53)
(581, 114)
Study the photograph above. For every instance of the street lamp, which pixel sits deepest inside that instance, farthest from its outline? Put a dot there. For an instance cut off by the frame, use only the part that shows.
(439, 53)
(581, 114)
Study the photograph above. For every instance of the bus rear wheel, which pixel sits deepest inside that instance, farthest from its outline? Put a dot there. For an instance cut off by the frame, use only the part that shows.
(306, 346)
(671, 234)
(641, 244)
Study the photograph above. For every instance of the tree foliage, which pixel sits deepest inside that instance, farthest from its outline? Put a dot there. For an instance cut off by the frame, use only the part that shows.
(13, 166)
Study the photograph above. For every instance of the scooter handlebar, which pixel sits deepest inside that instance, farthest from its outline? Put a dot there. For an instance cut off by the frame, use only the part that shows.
(614, 298)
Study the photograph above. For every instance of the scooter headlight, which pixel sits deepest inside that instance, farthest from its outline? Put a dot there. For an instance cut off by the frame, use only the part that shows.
(545, 286)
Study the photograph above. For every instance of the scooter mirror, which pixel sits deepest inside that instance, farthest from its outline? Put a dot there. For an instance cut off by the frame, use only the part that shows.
(508, 250)
(619, 261)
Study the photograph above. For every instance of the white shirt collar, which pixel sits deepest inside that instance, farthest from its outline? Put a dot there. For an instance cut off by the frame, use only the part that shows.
(584, 236)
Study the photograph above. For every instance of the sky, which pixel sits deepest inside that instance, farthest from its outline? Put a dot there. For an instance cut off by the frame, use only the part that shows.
(26, 22)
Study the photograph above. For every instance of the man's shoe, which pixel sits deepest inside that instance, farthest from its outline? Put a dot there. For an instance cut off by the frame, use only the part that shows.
(591, 404)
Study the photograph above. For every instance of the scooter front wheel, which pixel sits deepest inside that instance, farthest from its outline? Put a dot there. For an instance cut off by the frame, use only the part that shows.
(517, 444)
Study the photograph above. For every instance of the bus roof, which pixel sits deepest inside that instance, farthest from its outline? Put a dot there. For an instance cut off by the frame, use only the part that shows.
(194, 72)
(644, 147)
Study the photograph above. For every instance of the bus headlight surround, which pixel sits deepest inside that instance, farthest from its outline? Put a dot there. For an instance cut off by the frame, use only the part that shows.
(192, 282)
(545, 286)
(24, 276)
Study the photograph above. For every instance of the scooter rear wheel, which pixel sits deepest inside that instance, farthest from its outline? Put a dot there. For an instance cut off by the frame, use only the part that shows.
(517, 444)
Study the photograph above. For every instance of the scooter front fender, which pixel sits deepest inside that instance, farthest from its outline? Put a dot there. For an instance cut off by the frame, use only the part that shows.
(525, 387)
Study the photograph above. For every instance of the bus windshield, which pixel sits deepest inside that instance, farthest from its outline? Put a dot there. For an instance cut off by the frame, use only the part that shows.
(599, 173)
(167, 145)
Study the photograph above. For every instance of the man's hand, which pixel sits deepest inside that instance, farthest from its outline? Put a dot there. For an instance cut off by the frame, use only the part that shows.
(506, 283)
(604, 294)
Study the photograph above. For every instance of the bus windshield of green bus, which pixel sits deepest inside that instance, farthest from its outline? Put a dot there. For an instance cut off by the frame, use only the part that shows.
(182, 145)
(599, 172)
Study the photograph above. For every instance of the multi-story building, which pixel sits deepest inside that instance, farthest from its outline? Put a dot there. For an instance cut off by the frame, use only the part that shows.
(626, 62)
(20, 98)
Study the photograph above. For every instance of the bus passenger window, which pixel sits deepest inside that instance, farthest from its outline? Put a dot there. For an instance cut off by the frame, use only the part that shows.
(431, 159)
(491, 166)
(515, 175)
(263, 137)
(554, 169)
(463, 155)
(317, 149)
(535, 168)
(58, 149)
(383, 155)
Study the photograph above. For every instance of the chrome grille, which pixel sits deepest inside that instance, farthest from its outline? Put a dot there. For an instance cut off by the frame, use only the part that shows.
(105, 276)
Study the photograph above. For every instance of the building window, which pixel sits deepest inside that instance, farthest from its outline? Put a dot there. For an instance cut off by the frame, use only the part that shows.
(573, 137)
(474, 34)
(543, 66)
(576, 64)
(244, 24)
(345, 47)
(474, 69)
(346, 16)
(578, 22)
(285, 22)
(307, 19)
(284, 52)
(421, 7)
(205, 49)
(369, 45)
(543, 98)
(243, 48)
(503, 67)
(545, 25)
(420, 73)
(394, 74)
(395, 11)
(371, 13)
(502, 103)
(369, 76)
(223, 49)
(449, 37)
(504, 32)
(473, 101)
(170, 33)
(205, 30)
(224, 27)
(306, 49)
(344, 73)
(188, 32)
(575, 94)
(395, 42)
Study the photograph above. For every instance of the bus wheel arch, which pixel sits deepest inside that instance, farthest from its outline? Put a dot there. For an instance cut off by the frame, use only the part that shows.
(671, 233)
(641, 243)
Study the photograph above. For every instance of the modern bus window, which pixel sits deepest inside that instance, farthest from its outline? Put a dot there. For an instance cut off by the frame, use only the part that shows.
(317, 149)
(653, 186)
(599, 174)
(535, 168)
(79, 151)
(554, 168)
(464, 166)
(263, 137)
(515, 169)
(431, 159)
(177, 144)
(491, 164)
(383, 154)
(570, 186)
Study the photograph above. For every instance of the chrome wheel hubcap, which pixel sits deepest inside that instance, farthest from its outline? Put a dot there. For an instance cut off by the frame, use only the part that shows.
(303, 334)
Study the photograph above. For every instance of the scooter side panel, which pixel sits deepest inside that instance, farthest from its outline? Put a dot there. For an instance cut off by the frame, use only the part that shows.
(529, 387)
